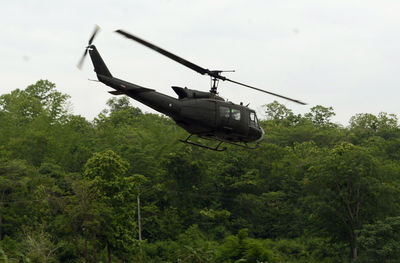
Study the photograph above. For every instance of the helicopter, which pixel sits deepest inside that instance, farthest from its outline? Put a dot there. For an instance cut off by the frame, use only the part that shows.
(203, 114)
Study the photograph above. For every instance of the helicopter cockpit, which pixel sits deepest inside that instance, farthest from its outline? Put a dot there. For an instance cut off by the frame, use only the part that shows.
(254, 127)
(253, 119)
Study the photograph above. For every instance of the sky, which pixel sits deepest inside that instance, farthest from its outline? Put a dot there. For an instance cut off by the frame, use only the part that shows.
(334, 53)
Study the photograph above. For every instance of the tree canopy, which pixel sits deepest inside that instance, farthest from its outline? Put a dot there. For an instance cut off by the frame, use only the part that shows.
(314, 191)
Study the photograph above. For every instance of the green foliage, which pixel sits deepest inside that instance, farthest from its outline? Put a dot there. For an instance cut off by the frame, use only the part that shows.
(11, 251)
(345, 189)
(381, 241)
(241, 248)
(278, 112)
(114, 191)
(38, 99)
(320, 115)
(313, 191)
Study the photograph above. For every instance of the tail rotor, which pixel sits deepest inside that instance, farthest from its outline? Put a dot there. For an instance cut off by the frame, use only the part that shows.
(96, 30)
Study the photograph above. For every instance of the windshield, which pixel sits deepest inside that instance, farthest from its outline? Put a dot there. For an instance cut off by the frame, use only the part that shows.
(253, 118)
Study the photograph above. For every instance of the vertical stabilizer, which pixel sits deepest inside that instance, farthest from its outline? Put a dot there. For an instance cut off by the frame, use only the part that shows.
(99, 66)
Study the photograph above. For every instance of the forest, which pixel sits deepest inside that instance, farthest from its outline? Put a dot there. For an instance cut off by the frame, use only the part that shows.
(122, 188)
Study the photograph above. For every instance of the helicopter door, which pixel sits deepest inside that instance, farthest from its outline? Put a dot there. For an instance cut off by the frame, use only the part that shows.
(224, 116)
(231, 119)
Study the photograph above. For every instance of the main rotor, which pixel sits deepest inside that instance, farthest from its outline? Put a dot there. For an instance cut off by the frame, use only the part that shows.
(215, 75)
(215, 81)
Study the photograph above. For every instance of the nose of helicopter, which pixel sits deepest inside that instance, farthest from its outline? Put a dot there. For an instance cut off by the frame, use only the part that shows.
(261, 136)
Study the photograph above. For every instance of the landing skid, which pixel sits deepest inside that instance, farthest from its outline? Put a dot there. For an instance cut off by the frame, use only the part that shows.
(219, 144)
(217, 149)
(243, 145)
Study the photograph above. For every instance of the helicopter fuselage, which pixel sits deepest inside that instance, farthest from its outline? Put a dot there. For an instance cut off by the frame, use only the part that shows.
(200, 113)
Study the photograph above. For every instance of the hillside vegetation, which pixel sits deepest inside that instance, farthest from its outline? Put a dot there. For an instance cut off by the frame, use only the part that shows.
(314, 191)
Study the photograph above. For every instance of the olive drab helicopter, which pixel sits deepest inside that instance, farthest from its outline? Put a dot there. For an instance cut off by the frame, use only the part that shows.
(204, 114)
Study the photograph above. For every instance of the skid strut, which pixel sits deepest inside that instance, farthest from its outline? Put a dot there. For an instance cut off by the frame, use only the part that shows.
(204, 146)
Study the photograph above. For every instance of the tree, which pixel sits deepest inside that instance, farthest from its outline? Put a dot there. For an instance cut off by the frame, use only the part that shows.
(182, 179)
(277, 111)
(41, 97)
(381, 240)
(31, 119)
(366, 125)
(106, 172)
(280, 114)
(51, 100)
(241, 248)
(122, 104)
(16, 181)
(120, 113)
(346, 191)
(83, 214)
(321, 115)
(39, 247)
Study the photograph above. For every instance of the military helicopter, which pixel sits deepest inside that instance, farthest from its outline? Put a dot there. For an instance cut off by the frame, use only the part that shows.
(204, 114)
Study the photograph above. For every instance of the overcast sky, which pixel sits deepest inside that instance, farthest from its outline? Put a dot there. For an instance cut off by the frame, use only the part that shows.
(344, 54)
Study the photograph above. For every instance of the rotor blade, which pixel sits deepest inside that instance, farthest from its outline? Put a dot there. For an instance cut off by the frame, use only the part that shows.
(166, 53)
(203, 71)
(80, 63)
(96, 29)
(268, 92)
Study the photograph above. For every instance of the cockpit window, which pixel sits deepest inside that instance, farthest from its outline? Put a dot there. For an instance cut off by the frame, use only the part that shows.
(224, 112)
(253, 118)
(236, 114)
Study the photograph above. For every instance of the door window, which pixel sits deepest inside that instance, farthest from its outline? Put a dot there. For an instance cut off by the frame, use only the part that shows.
(224, 112)
(236, 114)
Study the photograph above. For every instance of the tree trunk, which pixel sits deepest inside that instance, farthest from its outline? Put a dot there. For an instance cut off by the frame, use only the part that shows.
(86, 249)
(77, 249)
(353, 254)
(1, 225)
(139, 228)
(108, 253)
(353, 247)
(94, 248)
(139, 219)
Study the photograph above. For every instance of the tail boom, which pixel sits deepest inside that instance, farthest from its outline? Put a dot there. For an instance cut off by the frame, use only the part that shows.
(155, 100)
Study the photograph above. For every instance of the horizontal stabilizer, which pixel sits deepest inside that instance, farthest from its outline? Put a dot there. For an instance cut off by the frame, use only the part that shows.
(126, 90)
(116, 92)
